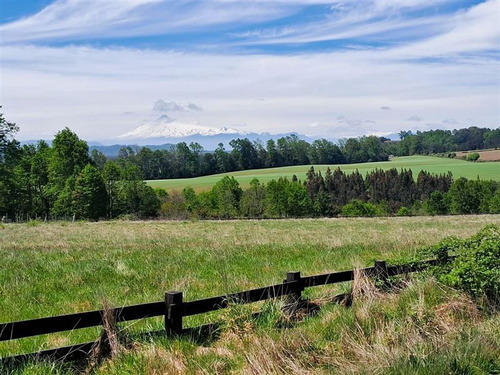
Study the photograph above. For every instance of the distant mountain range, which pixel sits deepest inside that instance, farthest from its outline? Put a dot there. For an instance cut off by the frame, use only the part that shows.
(166, 127)
(166, 132)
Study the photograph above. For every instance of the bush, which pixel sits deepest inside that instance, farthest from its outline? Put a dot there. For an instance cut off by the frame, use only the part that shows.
(358, 208)
(473, 157)
(476, 269)
(404, 211)
(174, 206)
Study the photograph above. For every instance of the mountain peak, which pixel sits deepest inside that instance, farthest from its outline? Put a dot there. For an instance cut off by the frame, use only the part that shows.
(166, 127)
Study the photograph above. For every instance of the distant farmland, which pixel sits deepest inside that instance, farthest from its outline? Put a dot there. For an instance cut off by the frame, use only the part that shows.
(459, 168)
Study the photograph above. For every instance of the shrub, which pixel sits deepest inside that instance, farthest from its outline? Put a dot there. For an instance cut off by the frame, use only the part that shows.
(476, 269)
(473, 157)
(403, 211)
(358, 208)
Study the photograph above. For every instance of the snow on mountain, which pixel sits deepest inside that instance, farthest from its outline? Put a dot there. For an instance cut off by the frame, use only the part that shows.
(166, 127)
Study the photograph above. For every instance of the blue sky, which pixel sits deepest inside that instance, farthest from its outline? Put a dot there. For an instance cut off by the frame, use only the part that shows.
(322, 68)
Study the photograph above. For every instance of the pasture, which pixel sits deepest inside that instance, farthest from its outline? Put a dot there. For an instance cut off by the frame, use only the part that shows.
(57, 268)
(459, 168)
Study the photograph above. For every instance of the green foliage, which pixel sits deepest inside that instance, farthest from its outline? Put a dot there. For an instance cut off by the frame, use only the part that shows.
(227, 193)
(69, 156)
(173, 206)
(7, 130)
(438, 204)
(357, 208)
(476, 269)
(89, 195)
(253, 200)
(404, 211)
(495, 203)
(473, 156)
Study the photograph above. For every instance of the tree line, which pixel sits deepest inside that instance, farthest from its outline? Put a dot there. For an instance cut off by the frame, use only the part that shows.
(62, 181)
(380, 193)
(441, 141)
(184, 161)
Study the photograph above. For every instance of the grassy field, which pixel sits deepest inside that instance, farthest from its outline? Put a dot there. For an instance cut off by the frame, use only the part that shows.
(57, 268)
(459, 168)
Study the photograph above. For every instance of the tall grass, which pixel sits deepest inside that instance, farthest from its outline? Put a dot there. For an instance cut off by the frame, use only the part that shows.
(58, 268)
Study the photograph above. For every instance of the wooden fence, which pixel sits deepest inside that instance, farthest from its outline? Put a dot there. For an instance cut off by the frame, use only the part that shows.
(174, 308)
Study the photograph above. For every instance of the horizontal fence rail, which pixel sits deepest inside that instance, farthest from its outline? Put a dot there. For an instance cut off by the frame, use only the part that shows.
(174, 308)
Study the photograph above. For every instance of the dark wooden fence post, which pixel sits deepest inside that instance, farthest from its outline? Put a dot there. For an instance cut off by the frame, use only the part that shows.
(381, 270)
(173, 312)
(298, 287)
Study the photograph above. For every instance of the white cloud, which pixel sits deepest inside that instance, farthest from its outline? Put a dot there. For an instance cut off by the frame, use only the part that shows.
(416, 118)
(167, 107)
(88, 89)
(385, 108)
(80, 19)
(477, 29)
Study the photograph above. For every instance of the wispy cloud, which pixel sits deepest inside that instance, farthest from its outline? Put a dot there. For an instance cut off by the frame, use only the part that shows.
(66, 20)
(311, 60)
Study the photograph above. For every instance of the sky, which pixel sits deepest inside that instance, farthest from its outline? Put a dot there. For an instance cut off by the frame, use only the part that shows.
(331, 69)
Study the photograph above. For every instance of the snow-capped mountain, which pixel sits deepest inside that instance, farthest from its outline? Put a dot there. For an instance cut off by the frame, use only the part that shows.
(166, 130)
(166, 127)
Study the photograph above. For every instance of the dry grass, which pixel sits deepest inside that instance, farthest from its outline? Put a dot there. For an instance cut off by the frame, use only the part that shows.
(484, 155)
(57, 268)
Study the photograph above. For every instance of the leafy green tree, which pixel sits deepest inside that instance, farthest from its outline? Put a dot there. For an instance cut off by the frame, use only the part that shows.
(244, 153)
(69, 156)
(7, 130)
(112, 176)
(273, 158)
(465, 196)
(276, 197)
(63, 205)
(89, 195)
(298, 203)
(139, 198)
(438, 204)
(40, 178)
(253, 200)
(495, 203)
(325, 152)
(228, 194)
(98, 158)
(191, 200)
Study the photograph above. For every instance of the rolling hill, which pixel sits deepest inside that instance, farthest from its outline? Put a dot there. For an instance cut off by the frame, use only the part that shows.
(459, 168)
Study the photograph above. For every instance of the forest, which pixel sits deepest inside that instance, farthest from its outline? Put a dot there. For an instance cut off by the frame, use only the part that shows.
(64, 180)
(380, 193)
(184, 161)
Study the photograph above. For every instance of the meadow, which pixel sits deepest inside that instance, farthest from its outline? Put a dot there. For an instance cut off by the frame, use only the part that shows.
(57, 268)
(435, 165)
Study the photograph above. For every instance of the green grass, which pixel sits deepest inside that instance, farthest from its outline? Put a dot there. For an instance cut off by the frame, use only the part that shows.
(459, 168)
(58, 268)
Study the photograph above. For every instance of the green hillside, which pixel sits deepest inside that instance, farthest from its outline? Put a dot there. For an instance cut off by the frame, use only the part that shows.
(459, 168)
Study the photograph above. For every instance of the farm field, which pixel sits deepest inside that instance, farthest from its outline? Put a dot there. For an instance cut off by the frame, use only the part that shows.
(58, 268)
(459, 168)
(484, 155)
